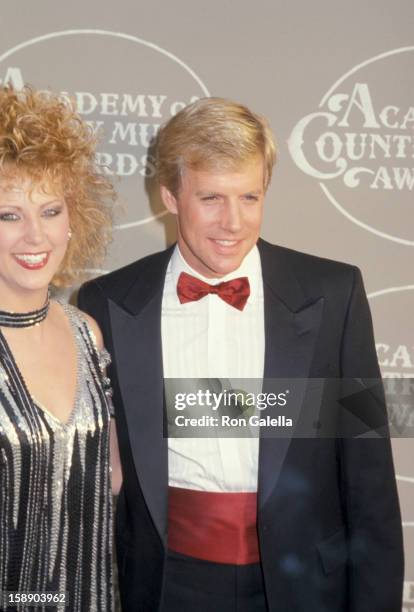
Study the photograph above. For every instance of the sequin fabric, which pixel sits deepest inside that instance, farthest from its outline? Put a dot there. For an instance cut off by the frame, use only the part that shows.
(55, 498)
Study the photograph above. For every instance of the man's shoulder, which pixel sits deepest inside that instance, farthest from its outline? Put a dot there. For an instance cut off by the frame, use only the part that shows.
(147, 270)
(316, 275)
(305, 262)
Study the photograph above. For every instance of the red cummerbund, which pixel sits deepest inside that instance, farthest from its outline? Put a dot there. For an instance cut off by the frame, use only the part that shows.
(219, 527)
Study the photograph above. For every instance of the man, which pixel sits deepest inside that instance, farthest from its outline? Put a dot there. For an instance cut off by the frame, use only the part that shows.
(279, 524)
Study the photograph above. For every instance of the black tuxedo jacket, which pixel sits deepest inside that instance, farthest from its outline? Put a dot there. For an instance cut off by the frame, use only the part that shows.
(328, 515)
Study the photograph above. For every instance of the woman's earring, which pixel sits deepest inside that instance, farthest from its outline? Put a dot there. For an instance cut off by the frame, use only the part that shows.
(69, 234)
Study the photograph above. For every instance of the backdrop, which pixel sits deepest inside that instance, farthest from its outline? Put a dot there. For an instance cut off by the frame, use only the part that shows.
(334, 79)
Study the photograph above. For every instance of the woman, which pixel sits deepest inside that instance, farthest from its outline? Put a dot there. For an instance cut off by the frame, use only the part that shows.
(55, 508)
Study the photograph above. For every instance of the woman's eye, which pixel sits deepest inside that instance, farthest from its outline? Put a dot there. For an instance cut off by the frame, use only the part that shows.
(51, 212)
(9, 216)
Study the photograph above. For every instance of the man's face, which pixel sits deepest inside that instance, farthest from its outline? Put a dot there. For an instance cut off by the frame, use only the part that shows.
(219, 215)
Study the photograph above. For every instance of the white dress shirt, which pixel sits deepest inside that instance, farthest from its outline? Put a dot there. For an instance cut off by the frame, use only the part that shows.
(211, 339)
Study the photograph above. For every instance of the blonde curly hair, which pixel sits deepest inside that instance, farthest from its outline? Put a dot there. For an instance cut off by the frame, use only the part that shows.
(42, 138)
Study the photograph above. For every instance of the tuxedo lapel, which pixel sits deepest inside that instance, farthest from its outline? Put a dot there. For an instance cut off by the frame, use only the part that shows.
(291, 327)
(136, 330)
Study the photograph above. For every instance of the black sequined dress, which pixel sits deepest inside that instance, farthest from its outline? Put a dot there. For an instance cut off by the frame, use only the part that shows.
(55, 498)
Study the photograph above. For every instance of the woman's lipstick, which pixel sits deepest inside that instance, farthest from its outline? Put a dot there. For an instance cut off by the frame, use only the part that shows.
(32, 261)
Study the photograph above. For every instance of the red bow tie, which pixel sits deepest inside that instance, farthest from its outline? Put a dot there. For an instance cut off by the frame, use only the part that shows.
(235, 292)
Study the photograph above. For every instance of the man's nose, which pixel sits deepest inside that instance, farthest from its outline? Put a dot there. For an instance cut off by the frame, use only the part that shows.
(231, 216)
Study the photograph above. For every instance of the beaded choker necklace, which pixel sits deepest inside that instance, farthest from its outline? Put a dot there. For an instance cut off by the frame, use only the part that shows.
(25, 319)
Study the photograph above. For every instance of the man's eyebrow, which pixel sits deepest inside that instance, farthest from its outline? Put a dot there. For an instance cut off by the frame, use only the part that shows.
(202, 192)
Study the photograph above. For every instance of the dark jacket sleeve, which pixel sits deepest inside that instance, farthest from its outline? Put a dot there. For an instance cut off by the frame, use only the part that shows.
(376, 565)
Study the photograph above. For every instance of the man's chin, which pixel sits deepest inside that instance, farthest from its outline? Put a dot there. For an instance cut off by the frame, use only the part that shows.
(225, 267)
(215, 265)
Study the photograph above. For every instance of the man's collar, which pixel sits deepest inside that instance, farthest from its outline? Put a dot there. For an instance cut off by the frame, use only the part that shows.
(276, 268)
(279, 275)
(149, 280)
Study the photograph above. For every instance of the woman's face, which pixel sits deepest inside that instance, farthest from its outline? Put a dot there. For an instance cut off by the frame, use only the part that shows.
(34, 225)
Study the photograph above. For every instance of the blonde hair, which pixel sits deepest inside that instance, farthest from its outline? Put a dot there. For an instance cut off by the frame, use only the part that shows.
(212, 133)
(43, 139)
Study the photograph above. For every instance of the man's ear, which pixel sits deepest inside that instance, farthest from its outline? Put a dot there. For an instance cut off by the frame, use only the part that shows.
(169, 200)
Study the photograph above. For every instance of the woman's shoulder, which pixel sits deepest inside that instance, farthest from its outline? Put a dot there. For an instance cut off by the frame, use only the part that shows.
(81, 319)
(94, 328)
